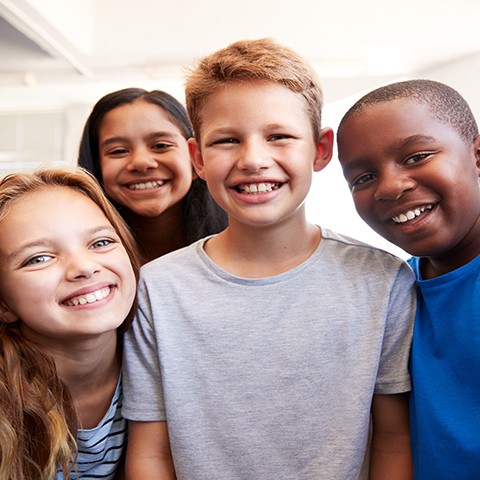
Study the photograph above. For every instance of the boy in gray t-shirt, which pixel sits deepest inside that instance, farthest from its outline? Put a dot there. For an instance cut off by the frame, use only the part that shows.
(263, 352)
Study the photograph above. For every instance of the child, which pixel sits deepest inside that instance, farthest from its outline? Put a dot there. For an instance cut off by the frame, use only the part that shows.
(410, 152)
(260, 353)
(135, 143)
(68, 272)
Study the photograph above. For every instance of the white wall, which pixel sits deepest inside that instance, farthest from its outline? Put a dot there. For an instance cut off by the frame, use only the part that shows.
(329, 202)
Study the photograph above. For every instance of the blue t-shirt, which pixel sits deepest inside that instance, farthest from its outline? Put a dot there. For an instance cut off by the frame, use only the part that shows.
(445, 369)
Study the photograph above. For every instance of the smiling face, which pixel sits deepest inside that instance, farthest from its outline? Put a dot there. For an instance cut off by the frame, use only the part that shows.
(257, 152)
(144, 158)
(413, 179)
(63, 270)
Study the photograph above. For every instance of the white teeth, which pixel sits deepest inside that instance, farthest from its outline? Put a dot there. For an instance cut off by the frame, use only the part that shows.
(89, 297)
(258, 187)
(411, 214)
(146, 185)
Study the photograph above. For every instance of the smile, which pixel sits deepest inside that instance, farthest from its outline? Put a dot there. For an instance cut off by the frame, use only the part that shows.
(411, 214)
(88, 298)
(146, 185)
(258, 187)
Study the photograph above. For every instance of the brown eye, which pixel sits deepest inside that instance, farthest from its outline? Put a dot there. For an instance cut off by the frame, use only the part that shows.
(418, 157)
(368, 177)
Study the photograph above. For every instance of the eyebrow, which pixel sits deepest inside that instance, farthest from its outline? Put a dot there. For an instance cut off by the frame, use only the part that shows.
(396, 146)
(119, 138)
(407, 142)
(43, 241)
(233, 129)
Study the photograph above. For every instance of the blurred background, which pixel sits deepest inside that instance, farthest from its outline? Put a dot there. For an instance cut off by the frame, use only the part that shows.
(58, 57)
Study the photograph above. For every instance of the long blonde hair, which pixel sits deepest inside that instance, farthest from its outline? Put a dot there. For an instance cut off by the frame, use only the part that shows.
(38, 423)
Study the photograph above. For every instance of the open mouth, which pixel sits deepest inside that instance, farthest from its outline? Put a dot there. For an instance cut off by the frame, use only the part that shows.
(411, 214)
(146, 185)
(91, 297)
(255, 188)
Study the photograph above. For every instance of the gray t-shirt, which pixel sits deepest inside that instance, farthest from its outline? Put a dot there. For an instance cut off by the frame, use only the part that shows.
(269, 378)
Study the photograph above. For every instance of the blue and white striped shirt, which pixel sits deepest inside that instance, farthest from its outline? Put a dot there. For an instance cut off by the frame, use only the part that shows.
(100, 449)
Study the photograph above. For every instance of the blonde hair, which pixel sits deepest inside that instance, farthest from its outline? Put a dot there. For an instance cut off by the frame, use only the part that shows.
(249, 60)
(38, 422)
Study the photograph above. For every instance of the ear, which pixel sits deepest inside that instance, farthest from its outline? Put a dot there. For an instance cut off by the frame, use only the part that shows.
(476, 151)
(6, 315)
(196, 157)
(194, 174)
(324, 149)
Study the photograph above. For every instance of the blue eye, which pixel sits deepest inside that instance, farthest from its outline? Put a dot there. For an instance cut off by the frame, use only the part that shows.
(104, 242)
(38, 259)
(225, 140)
(279, 136)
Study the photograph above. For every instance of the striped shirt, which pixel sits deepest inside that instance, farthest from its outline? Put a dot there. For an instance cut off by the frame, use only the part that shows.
(100, 449)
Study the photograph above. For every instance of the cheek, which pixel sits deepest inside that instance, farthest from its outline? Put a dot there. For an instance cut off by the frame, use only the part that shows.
(109, 173)
(363, 203)
(184, 178)
(27, 299)
(129, 282)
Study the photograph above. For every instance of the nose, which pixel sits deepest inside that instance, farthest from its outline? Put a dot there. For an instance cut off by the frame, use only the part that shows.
(141, 160)
(393, 186)
(253, 156)
(80, 267)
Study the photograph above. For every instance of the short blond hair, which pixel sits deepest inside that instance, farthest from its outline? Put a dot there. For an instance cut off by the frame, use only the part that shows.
(250, 60)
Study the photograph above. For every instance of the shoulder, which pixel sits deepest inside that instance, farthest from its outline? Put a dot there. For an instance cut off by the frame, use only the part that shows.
(180, 267)
(344, 243)
(177, 258)
(367, 259)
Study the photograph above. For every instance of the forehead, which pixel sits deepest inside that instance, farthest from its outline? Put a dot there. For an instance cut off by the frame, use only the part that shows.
(398, 127)
(133, 115)
(389, 120)
(53, 205)
(239, 102)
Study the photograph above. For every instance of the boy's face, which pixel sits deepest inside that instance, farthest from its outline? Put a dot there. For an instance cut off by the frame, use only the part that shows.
(413, 179)
(257, 152)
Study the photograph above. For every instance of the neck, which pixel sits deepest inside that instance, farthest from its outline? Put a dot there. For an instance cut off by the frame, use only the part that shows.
(448, 259)
(253, 252)
(159, 235)
(90, 371)
(435, 266)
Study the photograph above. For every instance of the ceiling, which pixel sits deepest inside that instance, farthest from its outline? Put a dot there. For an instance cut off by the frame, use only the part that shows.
(54, 52)
(58, 57)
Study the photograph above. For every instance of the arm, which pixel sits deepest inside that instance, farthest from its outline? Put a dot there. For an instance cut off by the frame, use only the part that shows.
(391, 455)
(148, 452)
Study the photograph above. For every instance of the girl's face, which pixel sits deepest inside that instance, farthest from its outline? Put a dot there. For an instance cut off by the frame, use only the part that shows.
(63, 269)
(144, 158)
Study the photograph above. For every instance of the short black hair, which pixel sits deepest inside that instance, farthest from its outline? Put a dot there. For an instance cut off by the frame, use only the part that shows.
(444, 102)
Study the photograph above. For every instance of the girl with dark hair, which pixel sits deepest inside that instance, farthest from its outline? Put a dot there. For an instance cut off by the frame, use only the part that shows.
(135, 144)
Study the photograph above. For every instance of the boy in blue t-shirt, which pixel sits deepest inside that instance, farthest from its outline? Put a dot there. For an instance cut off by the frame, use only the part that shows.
(410, 152)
